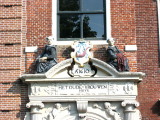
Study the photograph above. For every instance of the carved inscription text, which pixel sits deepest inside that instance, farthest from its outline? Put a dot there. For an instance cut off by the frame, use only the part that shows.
(87, 88)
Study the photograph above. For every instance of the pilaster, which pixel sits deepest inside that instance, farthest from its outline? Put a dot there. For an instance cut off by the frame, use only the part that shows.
(35, 106)
(130, 109)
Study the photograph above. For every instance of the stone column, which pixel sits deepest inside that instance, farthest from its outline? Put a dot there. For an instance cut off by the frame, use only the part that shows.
(35, 113)
(130, 112)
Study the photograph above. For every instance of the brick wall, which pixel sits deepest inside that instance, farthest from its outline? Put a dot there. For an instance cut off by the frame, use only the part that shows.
(12, 43)
(123, 27)
(38, 28)
(148, 62)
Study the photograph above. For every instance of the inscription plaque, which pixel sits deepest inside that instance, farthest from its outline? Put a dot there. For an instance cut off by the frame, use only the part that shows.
(83, 89)
(80, 88)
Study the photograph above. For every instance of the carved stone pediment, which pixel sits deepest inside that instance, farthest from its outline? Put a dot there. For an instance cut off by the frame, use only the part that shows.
(57, 84)
(103, 70)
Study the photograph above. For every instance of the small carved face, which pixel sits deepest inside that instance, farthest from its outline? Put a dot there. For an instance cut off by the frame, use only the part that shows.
(111, 41)
(107, 105)
(58, 105)
(50, 40)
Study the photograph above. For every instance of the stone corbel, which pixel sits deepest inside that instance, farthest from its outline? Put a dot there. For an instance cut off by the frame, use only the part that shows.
(130, 109)
(35, 109)
(82, 109)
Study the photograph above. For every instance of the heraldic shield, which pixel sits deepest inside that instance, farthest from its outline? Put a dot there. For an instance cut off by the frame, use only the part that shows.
(81, 52)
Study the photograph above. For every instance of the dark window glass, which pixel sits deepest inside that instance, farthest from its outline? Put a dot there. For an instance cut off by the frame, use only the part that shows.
(93, 25)
(69, 26)
(69, 5)
(81, 19)
(92, 5)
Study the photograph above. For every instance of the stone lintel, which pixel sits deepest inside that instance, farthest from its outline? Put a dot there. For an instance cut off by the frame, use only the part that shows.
(82, 98)
(75, 79)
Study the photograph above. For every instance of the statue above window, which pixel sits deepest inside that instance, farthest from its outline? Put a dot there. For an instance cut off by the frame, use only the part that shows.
(48, 58)
(115, 57)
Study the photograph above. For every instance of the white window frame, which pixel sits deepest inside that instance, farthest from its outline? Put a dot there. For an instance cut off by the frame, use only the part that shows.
(54, 25)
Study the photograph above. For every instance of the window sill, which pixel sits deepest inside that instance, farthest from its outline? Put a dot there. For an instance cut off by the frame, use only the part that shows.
(95, 42)
(34, 49)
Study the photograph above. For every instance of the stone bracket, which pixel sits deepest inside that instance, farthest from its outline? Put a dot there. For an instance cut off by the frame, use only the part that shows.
(82, 108)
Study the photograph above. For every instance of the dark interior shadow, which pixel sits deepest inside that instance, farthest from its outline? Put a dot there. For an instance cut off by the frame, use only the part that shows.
(67, 52)
(156, 108)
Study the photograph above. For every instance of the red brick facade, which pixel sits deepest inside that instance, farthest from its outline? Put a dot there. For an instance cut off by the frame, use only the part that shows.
(12, 43)
(26, 23)
(148, 58)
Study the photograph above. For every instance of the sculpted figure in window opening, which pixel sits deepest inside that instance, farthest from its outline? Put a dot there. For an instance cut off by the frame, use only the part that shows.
(115, 57)
(48, 58)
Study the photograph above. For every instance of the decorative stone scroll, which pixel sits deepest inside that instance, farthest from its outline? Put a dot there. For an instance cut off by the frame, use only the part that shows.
(85, 71)
(39, 89)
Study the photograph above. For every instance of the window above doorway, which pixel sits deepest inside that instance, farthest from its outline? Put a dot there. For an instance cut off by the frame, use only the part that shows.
(81, 19)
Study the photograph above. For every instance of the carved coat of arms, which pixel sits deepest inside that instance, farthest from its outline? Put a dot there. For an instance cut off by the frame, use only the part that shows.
(81, 52)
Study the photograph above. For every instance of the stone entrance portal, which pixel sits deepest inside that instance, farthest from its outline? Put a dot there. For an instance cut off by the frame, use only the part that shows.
(83, 88)
(108, 95)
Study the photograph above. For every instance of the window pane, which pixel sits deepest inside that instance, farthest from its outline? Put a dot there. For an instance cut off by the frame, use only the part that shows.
(92, 5)
(69, 5)
(93, 25)
(69, 26)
